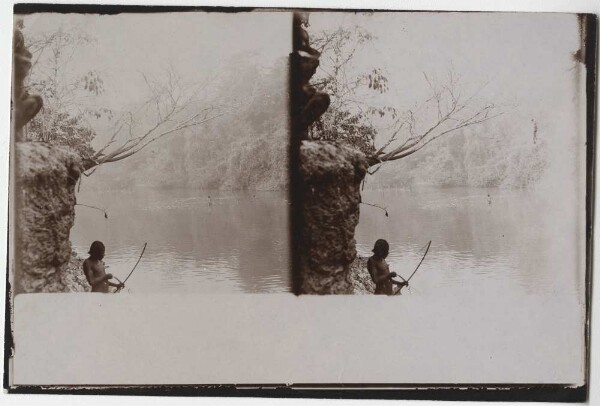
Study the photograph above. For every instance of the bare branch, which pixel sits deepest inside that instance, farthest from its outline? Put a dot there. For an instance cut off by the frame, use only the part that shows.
(93, 207)
(452, 114)
(377, 206)
(170, 107)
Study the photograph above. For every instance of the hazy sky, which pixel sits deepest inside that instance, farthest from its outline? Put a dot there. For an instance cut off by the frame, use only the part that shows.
(196, 44)
(525, 59)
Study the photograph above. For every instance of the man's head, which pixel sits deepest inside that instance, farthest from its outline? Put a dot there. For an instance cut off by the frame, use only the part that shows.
(97, 250)
(381, 248)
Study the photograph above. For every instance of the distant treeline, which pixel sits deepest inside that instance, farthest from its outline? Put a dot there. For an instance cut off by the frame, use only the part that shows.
(247, 149)
(485, 156)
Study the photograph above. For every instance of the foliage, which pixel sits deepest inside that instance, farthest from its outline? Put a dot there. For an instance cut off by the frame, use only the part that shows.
(172, 107)
(63, 129)
(66, 116)
(507, 156)
(70, 106)
(244, 150)
(351, 115)
(347, 127)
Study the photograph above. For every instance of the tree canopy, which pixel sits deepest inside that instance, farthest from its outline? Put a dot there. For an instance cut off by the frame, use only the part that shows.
(352, 115)
(70, 108)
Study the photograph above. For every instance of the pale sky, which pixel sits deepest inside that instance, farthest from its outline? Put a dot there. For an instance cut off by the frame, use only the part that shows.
(196, 44)
(525, 59)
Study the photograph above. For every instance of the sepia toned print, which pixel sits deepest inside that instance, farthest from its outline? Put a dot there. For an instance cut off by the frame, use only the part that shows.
(446, 166)
(301, 200)
(166, 140)
(469, 138)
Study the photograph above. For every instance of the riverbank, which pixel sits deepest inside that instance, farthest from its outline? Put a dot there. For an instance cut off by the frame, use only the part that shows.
(73, 279)
(361, 280)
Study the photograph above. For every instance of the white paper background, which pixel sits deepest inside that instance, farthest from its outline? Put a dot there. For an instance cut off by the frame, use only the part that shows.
(83, 339)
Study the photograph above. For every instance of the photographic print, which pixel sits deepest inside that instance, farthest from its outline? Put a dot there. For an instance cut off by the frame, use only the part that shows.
(442, 162)
(444, 133)
(314, 203)
(174, 128)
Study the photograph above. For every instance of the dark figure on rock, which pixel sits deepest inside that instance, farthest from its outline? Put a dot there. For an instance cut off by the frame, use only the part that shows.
(380, 270)
(94, 270)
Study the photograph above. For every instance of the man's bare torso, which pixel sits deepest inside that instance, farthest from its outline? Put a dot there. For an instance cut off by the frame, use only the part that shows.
(95, 269)
(379, 269)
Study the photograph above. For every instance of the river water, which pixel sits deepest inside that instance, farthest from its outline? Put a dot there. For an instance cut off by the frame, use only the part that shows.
(484, 241)
(225, 243)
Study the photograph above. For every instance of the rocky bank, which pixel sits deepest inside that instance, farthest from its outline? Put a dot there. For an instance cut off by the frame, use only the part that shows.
(330, 177)
(44, 198)
(73, 277)
(361, 280)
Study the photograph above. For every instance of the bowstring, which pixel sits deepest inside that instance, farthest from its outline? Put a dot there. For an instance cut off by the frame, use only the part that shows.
(420, 256)
(135, 266)
(424, 248)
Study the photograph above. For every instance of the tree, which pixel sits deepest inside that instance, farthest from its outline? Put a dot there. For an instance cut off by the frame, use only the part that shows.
(348, 118)
(68, 95)
(172, 106)
(353, 113)
(70, 104)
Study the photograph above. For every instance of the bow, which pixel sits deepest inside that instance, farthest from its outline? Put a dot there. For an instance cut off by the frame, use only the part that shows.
(415, 271)
(136, 264)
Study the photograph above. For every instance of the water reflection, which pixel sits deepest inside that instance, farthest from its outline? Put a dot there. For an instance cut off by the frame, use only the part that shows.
(232, 242)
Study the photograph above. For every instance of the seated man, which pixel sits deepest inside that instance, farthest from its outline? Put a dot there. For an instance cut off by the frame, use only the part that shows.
(380, 270)
(93, 268)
